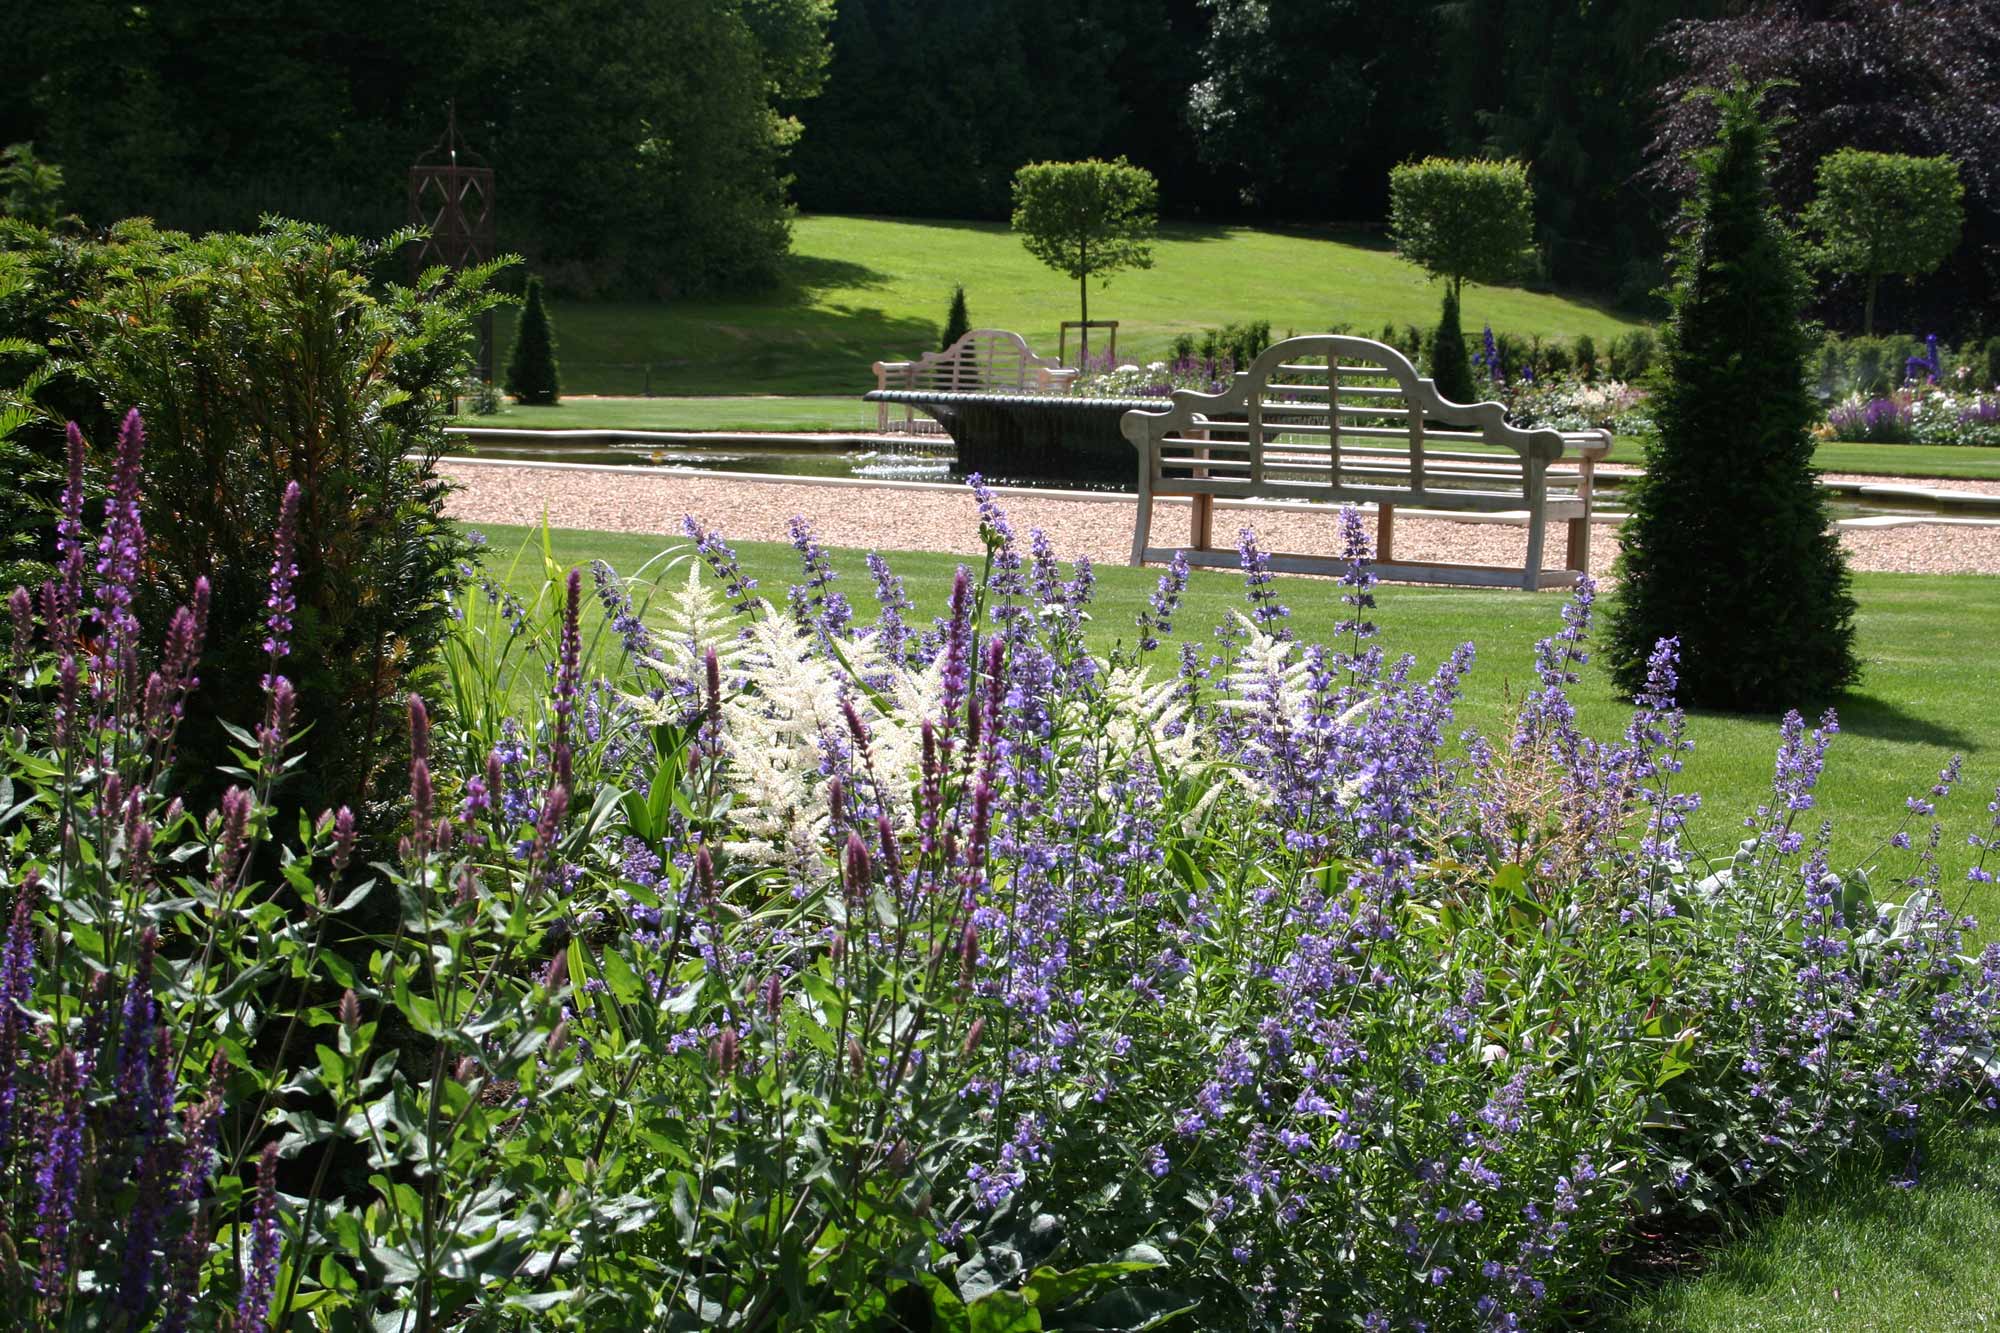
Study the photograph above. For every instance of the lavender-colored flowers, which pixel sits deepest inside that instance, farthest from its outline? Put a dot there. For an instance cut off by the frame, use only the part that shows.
(253, 1302)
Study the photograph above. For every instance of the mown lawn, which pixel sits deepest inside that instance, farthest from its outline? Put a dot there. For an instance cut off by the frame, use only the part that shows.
(858, 290)
(738, 412)
(1855, 1255)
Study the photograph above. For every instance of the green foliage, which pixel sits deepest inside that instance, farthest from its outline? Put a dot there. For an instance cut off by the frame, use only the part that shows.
(1240, 344)
(1878, 215)
(956, 322)
(1630, 355)
(662, 174)
(266, 359)
(1450, 363)
(1993, 362)
(1586, 358)
(1087, 219)
(1463, 221)
(1729, 547)
(30, 189)
(531, 367)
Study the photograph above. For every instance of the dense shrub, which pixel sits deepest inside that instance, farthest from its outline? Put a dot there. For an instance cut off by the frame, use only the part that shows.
(532, 376)
(1586, 357)
(1630, 355)
(261, 361)
(1730, 546)
(842, 969)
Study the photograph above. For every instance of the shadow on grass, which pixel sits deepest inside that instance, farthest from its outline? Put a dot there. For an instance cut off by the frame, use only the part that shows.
(1784, 1255)
(1881, 719)
(805, 276)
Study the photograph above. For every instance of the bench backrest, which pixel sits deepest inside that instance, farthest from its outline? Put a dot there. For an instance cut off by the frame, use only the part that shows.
(1342, 411)
(981, 361)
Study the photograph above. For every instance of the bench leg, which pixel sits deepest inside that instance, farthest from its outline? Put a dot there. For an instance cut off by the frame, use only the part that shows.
(1142, 520)
(1531, 578)
(1385, 533)
(1201, 523)
(1578, 553)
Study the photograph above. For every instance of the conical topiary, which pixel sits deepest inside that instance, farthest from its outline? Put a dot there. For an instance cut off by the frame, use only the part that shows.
(1451, 367)
(957, 323)
(531, 369)
(1730, 546)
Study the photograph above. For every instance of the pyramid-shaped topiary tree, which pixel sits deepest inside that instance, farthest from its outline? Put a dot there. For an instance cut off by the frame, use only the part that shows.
(1729, 546)
(956, 323)
(1451, 367)
(531, 369)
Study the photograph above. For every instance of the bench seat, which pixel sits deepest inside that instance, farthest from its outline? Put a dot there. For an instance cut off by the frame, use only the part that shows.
(1348, 420)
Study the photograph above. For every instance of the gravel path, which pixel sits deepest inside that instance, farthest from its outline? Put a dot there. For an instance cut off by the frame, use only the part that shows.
(894, 518)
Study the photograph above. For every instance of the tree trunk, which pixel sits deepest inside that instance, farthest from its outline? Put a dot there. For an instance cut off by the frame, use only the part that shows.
(1083, 290)
(1868, 312)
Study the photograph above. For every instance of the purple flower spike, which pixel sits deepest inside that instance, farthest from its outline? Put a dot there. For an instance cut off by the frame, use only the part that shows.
(253, 1303)
(1265, 608)
(58, 1170)
(280, 604)
(120, 551)
(17, 978)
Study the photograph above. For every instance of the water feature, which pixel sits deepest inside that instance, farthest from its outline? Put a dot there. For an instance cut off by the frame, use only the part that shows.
(931, 458)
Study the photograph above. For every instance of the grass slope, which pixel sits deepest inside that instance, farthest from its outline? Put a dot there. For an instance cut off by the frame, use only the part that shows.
(1921, 639)
(858, 290)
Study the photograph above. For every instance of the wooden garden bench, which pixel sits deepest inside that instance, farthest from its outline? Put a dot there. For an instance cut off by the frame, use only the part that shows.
(1329, 417)
(981, 361)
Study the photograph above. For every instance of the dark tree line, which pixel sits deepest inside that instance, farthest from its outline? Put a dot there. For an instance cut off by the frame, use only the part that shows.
(636, 144)
(648, 148)
(1289, 111)
(1920, 77)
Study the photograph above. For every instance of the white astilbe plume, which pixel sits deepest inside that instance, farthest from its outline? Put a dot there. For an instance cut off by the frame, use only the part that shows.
(1143, 711)
(773, 733)
(1267, 679)
(696, 618)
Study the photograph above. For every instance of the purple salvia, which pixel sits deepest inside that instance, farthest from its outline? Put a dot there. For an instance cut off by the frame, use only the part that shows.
(343, 840)
(236, 803)
(17, 980)
(1004, 578)
(253, 1302)
(21, 611)
(158, 1165)
(957, 669)
(569, 662)
(120, 551)
(280, 603)
(136, 1022)
(58, 1170)
(1357, 578)
(66, 605)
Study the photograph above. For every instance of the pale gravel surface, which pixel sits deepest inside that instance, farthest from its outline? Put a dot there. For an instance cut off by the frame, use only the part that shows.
(897, 519)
